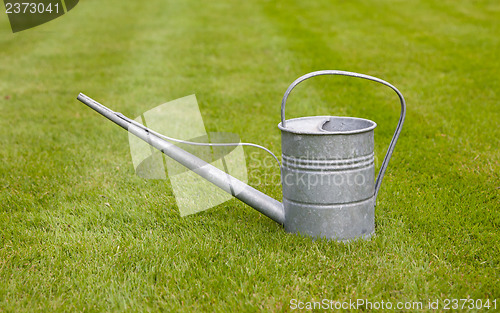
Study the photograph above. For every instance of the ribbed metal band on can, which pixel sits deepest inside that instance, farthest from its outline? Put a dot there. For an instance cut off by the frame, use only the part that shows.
(334, 165)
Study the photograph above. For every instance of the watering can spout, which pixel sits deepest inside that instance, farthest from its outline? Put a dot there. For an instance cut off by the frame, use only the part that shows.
(249, 195)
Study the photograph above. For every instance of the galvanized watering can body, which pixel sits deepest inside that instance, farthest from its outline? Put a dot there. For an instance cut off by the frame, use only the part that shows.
(328, 172)
(328, 176)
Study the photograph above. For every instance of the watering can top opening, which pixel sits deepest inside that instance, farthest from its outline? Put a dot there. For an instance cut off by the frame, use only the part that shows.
(327, 125)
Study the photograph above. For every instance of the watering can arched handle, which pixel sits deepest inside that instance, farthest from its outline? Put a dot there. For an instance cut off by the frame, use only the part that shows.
(344, 73)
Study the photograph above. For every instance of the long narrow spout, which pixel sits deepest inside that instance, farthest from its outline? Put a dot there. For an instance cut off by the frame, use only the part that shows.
(254, 198)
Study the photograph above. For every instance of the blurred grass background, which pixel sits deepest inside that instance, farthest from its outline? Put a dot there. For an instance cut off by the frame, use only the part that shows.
(80, 232)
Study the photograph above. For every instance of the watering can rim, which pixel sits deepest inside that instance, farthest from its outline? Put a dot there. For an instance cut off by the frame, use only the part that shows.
(326, 118)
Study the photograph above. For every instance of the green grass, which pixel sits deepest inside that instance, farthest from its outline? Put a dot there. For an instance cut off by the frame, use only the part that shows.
(80, 232)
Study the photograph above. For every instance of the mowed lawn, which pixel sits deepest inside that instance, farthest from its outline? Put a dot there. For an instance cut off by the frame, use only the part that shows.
(79, 231)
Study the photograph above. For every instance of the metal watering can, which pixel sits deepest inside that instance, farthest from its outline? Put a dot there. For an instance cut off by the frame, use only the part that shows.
(328, 172)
